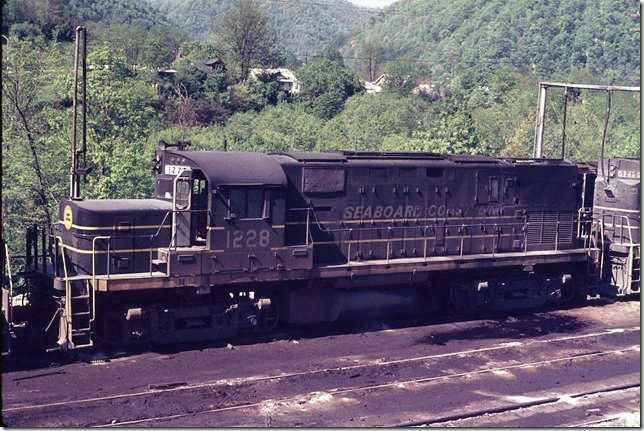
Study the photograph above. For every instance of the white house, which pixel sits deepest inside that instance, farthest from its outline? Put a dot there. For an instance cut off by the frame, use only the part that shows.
(285, 77)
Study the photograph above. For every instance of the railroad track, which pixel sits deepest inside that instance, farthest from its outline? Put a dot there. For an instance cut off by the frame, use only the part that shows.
(438, 365)
(443, 420)
(376, 363)
(398, 384)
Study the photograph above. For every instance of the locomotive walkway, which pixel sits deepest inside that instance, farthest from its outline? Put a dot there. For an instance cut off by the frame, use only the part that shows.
(549, 368)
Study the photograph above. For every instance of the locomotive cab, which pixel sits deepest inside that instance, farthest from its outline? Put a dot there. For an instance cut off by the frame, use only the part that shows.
(228, 211)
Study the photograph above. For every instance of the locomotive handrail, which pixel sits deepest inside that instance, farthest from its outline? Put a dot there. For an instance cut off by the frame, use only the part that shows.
(309, 234)
(107, 237)
(464, 230)
(208, 211)
(67, 285)
(628, 226)
(580, 212)
(308, 221)
(601, 233)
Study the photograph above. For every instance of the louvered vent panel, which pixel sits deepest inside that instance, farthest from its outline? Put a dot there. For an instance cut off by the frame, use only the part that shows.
(565, 227)
(549, 227)
(535, 226)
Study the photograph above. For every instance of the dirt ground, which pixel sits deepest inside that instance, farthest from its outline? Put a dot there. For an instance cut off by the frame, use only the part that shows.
(547, 368)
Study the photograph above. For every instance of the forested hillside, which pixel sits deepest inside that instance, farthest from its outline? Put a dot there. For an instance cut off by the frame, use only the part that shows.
(543, 37)
(302, 27)
(45, 16)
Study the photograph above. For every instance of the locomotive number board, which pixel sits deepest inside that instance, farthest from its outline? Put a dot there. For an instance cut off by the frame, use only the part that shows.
(175, 169)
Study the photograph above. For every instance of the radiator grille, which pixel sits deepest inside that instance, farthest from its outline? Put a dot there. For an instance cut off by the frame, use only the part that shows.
(535, 226)
(548, 227)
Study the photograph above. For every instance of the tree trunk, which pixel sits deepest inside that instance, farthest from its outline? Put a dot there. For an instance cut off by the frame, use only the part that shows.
(34, 153)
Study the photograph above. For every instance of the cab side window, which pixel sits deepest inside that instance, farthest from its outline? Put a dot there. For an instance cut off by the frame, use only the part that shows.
(249, 203)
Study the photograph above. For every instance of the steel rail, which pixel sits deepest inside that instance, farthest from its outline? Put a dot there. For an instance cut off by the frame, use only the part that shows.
(396, 384)
(511, 407)
(369, 363)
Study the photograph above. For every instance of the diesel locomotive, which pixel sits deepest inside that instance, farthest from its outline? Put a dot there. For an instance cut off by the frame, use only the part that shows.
(238, 241)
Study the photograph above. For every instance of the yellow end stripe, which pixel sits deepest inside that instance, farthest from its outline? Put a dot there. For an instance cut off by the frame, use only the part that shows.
(115, 227)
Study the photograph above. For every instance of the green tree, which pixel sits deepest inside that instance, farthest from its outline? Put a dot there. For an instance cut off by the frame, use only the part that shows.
(369, 119)
(327, 84)
(161, 46)
(284, 127)
(371, 53)
(401, 75)
(27, 65)
(245, 31)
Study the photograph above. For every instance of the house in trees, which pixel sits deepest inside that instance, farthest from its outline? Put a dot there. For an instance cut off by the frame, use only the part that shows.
(211, 64)
(285, 77)
(375, 86)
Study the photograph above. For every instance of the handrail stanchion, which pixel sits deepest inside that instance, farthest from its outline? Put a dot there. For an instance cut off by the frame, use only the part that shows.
(557, 236)
(601, 235)
(308, 219)
(67, 287)
(526, 226)
(388, 243)
(425, 245)
(151, 239)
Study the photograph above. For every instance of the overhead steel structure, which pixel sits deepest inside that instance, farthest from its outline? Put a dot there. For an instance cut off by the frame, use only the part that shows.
(541, 116)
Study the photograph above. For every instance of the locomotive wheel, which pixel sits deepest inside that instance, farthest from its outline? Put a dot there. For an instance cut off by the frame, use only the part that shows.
(461, 297)
(113, 330)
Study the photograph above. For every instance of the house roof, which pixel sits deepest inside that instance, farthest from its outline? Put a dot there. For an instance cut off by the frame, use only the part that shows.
(283, 75)
(213, 61)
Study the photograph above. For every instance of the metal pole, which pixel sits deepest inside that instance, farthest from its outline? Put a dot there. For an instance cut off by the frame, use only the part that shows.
(608, 101)
(35, 244)
(44, 251)
(590, 87)
(543, 86)
(84, 90)
(29, 247)
(541, 118)
(73, 181)
(563, 131)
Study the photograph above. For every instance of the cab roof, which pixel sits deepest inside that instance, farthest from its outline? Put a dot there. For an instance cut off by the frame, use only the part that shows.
(227, 168)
